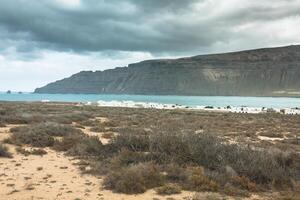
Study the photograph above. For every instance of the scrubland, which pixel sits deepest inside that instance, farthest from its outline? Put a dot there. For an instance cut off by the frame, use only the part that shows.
(157, 154)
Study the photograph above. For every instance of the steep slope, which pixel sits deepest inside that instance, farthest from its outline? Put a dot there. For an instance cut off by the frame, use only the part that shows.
(261, 72)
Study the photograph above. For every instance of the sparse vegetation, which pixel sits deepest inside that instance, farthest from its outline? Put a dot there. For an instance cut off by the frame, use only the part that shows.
(167, 150)
(134, 179)
(28, 135)
(41, 134)
(25, 152)
(4, 151)
(98, 128)
(39, 168)
(234, 191)
(108, 135)
(168, 189)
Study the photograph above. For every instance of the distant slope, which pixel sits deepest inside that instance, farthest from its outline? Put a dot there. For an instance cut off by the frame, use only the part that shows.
(261, 72)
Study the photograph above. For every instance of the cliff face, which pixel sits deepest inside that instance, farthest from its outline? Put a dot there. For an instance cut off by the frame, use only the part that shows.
(262, 72)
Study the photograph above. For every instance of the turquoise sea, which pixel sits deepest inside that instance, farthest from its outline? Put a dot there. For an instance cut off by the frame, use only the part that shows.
(192, 101)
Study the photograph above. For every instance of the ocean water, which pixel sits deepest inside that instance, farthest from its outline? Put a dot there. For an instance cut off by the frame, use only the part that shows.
(192, 101)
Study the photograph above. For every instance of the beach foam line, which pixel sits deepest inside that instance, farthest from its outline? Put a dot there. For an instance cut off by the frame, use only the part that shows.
(230, 109)
(134, 104)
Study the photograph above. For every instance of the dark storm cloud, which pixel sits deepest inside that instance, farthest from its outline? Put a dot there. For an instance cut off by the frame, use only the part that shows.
(156, 26)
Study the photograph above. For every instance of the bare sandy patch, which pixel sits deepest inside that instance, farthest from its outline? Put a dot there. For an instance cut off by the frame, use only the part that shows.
(269, 138)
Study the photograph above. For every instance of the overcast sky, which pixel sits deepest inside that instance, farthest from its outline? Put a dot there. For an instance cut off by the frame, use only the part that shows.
(46, 40)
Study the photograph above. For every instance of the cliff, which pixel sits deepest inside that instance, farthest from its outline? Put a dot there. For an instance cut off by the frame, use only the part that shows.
(261, 72)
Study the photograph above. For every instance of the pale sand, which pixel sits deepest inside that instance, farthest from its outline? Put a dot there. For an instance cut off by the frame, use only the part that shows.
(269, 138)
(54, 176)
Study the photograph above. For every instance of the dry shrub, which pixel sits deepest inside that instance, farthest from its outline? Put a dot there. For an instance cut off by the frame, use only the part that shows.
(2, 124)
(41, 135)
(19, 117)
(67, 142)
(283, 184)
(25, 152)
(125, 181)
(127, 157)
(98, 129)
(87, 146)
(234, 191)
(79, 144)
(97, 167)
(288, 196)
(108, 135)
(29, 136)
(197, 181)
(170, 147)
(207, 196)
(244, 183)
(134, 179)
(209, 151)
(271, 134)
(79, 126)
(54, 129)
(168, 189)
(175, 173)
(89, 122)
(110, 123)
(294, 141)
(131, 142)
(70, 117)
(4, 151)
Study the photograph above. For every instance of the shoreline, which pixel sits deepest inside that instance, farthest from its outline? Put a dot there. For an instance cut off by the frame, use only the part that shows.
(162, 106)
(229, 109)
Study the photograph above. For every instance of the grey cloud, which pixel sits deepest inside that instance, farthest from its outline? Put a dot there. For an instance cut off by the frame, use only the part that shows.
(156, 26)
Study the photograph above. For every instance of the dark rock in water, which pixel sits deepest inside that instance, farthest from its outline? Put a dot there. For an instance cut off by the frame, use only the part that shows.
(261, 72)
(8, 92)
(20, 92)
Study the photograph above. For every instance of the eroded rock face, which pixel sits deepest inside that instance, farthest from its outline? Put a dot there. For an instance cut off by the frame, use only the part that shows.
(262, 72)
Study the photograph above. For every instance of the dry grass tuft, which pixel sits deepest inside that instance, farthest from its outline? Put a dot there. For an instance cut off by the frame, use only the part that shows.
(134, 179)
(168, 189)
(4, 151)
